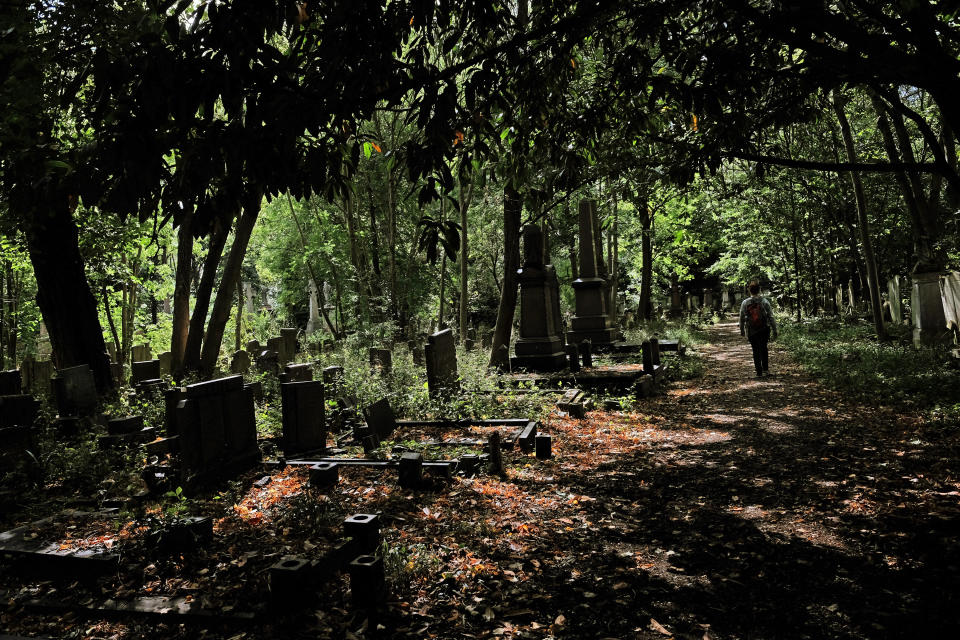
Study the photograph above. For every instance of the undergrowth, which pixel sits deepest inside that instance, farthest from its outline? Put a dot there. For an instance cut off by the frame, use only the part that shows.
(849, 358)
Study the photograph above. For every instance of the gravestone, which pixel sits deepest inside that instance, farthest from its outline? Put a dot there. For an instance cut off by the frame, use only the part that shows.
(297, 373)
(18, 410)
(166, 359)
(708, 299)
(333, 378)
(268, 361)
(381, 359)
(896, 304)
(11, 383)
(142, 371)
(725, 299)
(112, 351)
(539, 346)
(314, 322)
(441, 358)
(290, 346)
(380, 418)
(278, 345)
(592, 318)
(676, 303)
(240, 362)
(926, 305)
(486, 339)
(171, 399)
(75, 391)
(254, 347)
(140, 353)
(950, 295)
(37, 375)
(304, 423)
(217, 429)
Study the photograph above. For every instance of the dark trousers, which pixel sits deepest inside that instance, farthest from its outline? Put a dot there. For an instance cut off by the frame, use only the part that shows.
(758, 341)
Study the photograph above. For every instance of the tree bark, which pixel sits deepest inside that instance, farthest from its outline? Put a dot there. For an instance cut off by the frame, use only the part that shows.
(465, 200)
(194, 345)
(63, 293)
(181, 293)
(863, 224)
(231, 275)
(646, 256)
(512, 210)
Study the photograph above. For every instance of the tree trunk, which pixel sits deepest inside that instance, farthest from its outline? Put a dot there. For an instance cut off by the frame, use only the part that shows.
(63, 294)
(512, 210)
(863, 224)
(181, 293)
(315, 281)
(646, 268)
(465, 200)
(443, 280)
(238, 329)
(231, 275)
(194, 345)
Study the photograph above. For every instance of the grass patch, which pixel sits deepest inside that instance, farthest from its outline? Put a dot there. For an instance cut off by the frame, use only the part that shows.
(848, 357)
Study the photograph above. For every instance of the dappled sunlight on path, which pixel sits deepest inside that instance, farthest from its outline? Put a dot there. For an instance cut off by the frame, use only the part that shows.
(774, 507)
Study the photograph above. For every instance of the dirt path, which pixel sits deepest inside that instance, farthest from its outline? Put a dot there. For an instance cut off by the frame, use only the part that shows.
(774, 508)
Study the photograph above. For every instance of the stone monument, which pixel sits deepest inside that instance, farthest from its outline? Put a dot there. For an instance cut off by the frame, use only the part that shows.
(926, 304)
(592, 319)
(539, 346)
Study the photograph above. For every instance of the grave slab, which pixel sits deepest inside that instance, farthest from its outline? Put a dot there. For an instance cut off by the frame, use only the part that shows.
(304, 423)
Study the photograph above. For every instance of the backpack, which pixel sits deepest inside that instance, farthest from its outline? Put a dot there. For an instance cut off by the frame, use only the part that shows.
(755, 314)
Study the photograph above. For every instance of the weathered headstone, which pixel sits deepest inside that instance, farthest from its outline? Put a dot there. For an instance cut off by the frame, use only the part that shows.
(441, 359)
(708, 299)
(950, 295)
(725, 299)
(75, 391)
(486, 339)
(254, 347)
(926, 305)
(540, 343)
(217, 429)
(380, 418)
(314, 322)
(290, 346)
(37, 375)
(166, 360)
(268, 361)
(11, 383)
(893, 295)
(297, 373)
(676, 303)
(140, 353)
(240, 362)
(304, 424)
(381, 359)
(333, 378)
(592, 318)
(142, 371)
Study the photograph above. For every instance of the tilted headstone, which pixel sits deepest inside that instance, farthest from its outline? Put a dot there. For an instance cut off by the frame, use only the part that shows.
(240, 362)
(11, 383)
(75, 391)
(297, 373)
(381, 359)
(333, 378)
(140, 353)
(592, 319)
(950, 295)
(18, 410)
(304, 423)
(926, 305)
(142, 371)
(896, 304)
(217, 428)
(166, 359)
(441, 359)
(380, 418)
(539, 346)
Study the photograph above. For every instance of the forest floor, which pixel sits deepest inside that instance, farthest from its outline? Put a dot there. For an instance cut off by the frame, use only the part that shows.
(729, 507)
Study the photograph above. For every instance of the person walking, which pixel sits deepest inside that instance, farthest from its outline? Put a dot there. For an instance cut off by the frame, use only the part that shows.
(757, 324)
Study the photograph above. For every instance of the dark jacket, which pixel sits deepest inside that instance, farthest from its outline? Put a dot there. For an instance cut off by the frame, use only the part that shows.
(767, 311)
